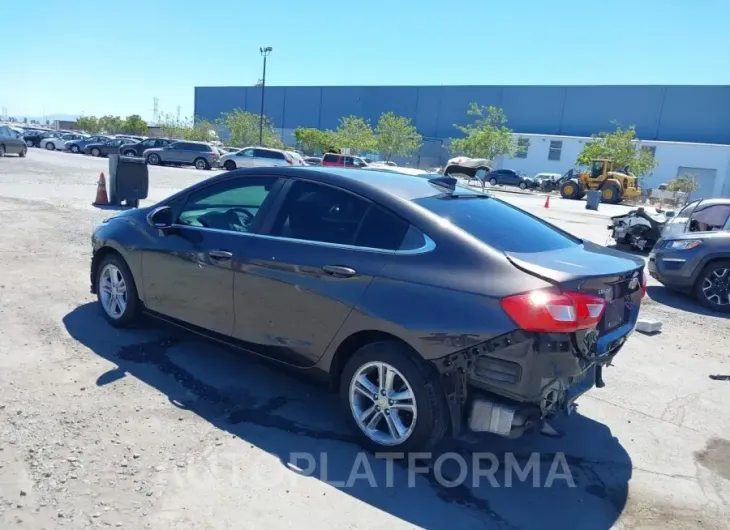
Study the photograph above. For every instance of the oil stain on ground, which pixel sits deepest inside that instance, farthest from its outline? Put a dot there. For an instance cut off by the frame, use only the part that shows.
(715, 457)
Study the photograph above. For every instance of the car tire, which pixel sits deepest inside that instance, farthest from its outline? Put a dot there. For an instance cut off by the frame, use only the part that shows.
(201, 163)
(523, 186)
(2, 150)
(709, 276)
(153, 159)
(50, 146)
(493, 181)
(419, 430)
(230, 165)
(95, 152)
(75, 149)
(122, 312)
(23, 151)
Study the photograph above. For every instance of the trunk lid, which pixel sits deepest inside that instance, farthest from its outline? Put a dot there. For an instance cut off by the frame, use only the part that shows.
(614, 276)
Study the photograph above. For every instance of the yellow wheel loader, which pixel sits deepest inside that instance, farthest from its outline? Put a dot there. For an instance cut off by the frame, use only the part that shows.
(614, 185)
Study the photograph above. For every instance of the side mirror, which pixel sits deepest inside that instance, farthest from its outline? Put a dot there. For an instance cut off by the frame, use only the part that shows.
(160, 218)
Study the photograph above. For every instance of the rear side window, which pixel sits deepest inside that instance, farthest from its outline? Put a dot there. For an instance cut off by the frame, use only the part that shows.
(499, 225)
(314, 212)
(331, 158)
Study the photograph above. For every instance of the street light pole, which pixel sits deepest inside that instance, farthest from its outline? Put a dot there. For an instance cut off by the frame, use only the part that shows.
(265, 53)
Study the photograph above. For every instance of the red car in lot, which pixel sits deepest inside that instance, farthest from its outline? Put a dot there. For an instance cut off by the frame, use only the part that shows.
(336, 160)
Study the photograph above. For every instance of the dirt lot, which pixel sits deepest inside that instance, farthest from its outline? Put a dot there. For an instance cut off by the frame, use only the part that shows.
(156, 428)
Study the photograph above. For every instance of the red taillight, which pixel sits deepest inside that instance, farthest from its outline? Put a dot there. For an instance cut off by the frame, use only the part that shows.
(552, 312)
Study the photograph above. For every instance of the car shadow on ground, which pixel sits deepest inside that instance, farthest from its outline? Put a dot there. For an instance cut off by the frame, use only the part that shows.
(681, 301)
(577, 481)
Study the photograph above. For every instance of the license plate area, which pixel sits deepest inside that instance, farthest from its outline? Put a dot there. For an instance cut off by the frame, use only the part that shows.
(615, 315)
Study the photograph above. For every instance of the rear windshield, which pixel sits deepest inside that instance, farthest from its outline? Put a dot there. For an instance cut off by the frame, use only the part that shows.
(499, 225)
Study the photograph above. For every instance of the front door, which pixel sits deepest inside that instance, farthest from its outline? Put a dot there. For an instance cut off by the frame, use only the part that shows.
(188, 272)
(296, 285)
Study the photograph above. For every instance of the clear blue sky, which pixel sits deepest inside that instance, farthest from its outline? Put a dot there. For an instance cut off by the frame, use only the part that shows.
(101, 57)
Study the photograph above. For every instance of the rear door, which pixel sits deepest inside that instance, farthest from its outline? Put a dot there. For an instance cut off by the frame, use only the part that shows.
(295, 286)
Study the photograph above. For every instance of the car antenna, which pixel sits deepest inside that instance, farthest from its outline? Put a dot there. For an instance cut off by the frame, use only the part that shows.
(445, 184)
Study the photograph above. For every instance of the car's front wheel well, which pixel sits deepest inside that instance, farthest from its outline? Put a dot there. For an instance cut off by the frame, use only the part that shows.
(99, 256)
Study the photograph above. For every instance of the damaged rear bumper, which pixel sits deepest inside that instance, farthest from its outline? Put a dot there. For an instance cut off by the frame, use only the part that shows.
(511, 384)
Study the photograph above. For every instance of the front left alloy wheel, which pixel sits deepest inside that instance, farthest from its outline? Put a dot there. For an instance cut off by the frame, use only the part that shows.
(392, 399)
(116, 291)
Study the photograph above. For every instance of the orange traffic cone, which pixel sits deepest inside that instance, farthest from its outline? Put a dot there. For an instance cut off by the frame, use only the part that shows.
(101, 196)
(547, 201)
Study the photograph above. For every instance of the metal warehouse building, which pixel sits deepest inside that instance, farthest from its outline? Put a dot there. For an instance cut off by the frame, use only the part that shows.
(688, 114)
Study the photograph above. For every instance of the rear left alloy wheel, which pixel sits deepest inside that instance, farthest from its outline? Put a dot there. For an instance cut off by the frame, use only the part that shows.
(117, 292)
(392, 400)
(713, 286)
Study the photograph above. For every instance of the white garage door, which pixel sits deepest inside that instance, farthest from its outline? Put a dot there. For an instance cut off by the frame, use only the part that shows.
(705, 180)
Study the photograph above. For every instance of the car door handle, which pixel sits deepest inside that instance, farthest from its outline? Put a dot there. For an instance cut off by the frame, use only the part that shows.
(338, 271)
(220, 255)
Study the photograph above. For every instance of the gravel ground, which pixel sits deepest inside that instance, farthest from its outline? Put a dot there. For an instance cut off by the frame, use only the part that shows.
(156, 428)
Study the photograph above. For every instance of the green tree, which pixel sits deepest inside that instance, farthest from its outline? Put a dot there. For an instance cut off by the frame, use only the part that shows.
(356, 134)
(111, 124)
(201, 131)
(243, 129)
(90, 124)
(312, 140)
(395, 136)
(134, 124)
(622, 147)
(487, 137)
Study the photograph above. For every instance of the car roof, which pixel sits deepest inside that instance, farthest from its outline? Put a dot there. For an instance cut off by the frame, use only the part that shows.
(710, 202)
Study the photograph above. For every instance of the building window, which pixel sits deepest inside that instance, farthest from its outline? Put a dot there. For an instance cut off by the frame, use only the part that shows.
(556, 148)
(651, 149)
(523, 144)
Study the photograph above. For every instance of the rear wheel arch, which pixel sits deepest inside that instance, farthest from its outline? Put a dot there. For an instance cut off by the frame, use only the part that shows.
(353, 343)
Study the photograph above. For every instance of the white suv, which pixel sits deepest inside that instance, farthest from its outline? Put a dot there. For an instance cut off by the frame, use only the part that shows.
(256, 157)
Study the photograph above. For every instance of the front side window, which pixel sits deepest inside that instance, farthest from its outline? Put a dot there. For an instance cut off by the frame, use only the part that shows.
(710, 219)
(231, 205)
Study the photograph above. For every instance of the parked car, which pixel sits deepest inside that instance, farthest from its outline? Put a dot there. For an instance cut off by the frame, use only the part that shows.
(297, 159)
(59, 142)
(256, 157)
(11, 142)
(110, 147)
(33, 138)
(336, 160)
(313, 160)
(129, 137)
(389, 163)
(137, 148)
(349, 275)
(509, 177)
(198, 154)
(693, 254)
(78, 146)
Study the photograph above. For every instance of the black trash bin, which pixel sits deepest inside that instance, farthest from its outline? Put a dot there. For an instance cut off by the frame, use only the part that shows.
(129, 180)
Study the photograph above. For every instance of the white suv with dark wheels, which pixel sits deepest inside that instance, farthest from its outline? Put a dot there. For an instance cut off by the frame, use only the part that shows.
(256, 157)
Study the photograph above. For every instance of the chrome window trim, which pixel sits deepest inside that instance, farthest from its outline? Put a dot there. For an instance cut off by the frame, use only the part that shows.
(428, 246)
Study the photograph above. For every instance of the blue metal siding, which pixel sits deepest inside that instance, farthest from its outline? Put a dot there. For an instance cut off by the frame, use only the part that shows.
(671, 113)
